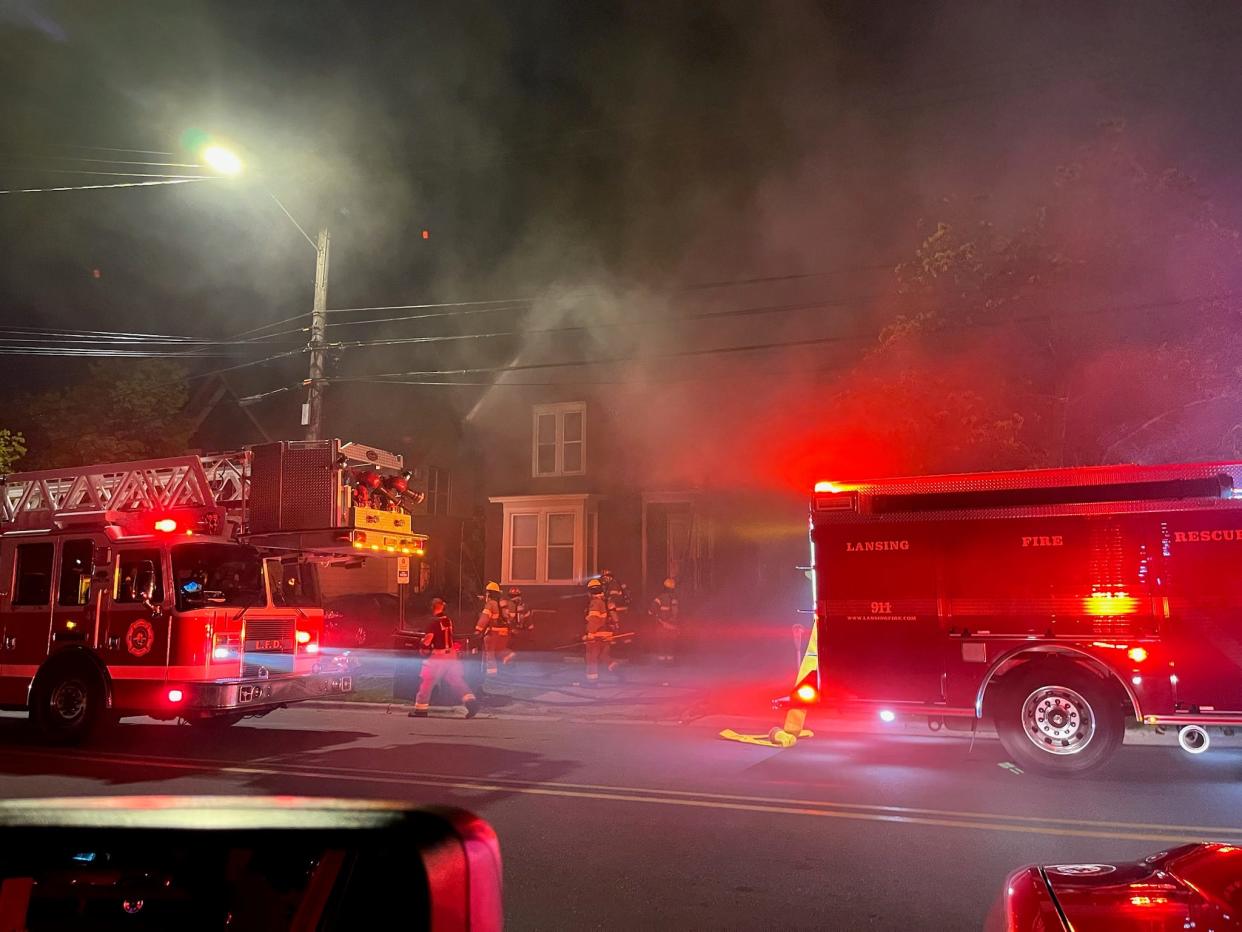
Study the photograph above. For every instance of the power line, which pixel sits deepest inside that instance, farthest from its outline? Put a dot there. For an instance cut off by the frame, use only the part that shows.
(84, 171)
(633, 322)
(61, 145)
(791, 344)
(100, 187)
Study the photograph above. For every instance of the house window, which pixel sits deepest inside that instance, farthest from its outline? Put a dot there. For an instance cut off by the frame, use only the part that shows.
(547, 539)
(524, 547)
(437, 491)
(559, 440)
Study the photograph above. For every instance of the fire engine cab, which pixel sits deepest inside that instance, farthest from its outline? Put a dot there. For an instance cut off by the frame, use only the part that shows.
(185, 588)
(1058, 602)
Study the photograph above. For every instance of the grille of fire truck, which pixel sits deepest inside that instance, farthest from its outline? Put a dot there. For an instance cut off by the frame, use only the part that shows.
(1212, 487)
(266, 639)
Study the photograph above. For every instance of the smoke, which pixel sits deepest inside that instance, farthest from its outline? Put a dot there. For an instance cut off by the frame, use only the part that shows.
(599, 159)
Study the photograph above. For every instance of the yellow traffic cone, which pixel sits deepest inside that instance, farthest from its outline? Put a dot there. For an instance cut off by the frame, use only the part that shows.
(787, 735)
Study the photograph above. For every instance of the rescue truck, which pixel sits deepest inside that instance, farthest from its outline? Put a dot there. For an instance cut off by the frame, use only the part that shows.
(1060, 603)
(185, 588)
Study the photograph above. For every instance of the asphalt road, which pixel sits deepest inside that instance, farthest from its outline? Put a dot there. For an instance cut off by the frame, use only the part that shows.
(625, 826)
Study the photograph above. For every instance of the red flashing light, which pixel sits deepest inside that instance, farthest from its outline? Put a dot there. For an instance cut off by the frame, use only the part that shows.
(303, 637)
(807, 692)
(166, 525)
(426, 234)
(175, 695)
(1137, 654)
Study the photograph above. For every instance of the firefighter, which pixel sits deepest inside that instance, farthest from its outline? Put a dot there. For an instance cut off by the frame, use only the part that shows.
(494, 624)
(519, 620)
(600, 626)
(618, 595)
(440, 665)
(667, 614)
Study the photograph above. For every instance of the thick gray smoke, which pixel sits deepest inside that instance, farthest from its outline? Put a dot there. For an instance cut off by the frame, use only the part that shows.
(761, 169)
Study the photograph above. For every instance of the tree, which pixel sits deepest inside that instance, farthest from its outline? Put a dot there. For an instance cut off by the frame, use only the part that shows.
(1102, 314)
(122, 411)
(12, 449)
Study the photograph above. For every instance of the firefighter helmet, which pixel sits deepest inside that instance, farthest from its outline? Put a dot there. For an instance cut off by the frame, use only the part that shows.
(670, 583)
(397, 483)
(607, 573)
(493, 587)
(514, 591)
(594, 584)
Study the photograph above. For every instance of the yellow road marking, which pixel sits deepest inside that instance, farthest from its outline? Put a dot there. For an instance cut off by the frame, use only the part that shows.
(689, 799)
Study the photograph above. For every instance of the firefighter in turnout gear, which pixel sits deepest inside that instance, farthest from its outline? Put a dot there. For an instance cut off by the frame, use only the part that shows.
(440, 665)
(494, 624)
(520, 623)
(617, 594)
(601, 624)
(667, 614)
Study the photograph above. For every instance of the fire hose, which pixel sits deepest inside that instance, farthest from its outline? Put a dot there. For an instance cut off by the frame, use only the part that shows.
(597, 637)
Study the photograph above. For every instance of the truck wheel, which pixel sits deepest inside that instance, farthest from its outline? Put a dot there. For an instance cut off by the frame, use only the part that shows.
(67, 702)
(1058, 719)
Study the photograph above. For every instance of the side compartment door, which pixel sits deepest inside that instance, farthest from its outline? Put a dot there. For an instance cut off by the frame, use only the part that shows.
(25, 603)
(1203, 633)
(880, 637)
(135, 644)
(77, 599)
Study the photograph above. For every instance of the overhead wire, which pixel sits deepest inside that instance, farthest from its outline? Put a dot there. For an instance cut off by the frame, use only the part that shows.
(790, 344)
(100, 187)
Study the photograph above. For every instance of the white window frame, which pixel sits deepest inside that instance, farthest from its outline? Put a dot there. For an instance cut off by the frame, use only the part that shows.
(558, 410)
(579, 505)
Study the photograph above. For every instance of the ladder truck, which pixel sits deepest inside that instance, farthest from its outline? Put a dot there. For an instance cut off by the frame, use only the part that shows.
(185, 587)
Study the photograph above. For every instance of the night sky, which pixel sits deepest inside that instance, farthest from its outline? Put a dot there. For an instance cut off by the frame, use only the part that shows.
(597, 158)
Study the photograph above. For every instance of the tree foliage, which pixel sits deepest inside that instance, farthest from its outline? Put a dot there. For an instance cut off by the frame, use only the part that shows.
(12, 449)
(121, 411)
(1093, 323)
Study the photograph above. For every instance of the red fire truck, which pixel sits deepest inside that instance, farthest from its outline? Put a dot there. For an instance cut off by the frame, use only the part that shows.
(184, 587)
(1061, 603)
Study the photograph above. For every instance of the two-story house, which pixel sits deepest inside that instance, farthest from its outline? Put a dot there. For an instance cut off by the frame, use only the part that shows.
(569, 495)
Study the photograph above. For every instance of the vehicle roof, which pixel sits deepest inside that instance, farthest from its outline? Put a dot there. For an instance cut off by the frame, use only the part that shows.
(1084, 490)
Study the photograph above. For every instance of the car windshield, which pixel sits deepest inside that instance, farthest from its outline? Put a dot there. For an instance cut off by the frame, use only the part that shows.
(217, 574)
(294, 584)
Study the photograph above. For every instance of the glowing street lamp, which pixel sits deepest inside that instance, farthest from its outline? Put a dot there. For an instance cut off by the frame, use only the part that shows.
(222, 160)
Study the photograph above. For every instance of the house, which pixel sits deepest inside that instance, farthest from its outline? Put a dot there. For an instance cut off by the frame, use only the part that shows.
(570, 493)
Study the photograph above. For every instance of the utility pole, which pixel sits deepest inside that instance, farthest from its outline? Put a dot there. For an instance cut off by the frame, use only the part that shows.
(312, 413)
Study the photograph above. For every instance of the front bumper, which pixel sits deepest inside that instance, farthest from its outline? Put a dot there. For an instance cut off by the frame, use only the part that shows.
(264, 693)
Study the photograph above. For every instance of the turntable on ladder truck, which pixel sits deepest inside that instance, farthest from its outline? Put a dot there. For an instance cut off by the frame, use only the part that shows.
(1058, 603)
(185, 587)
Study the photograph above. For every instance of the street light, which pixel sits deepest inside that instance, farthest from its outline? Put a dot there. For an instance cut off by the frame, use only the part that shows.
(225, 161)
(222, 160)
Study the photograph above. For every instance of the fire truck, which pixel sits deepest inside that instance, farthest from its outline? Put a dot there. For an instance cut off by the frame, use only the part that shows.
(185, 588)
(1060, 603)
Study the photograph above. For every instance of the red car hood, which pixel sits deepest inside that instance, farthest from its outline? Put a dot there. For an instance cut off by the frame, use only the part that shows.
(1191, 887)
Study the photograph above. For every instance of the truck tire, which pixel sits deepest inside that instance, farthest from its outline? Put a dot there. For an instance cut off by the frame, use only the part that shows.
(67, 702)
(1058, 719)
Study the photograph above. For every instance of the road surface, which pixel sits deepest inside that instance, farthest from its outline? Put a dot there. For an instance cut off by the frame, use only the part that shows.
(647, 825)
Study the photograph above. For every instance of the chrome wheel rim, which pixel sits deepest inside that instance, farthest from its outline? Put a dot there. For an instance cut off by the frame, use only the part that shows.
(1058, 720)
(68, 701)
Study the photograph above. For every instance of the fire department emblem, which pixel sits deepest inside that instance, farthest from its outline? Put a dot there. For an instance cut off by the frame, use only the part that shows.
(139, 637)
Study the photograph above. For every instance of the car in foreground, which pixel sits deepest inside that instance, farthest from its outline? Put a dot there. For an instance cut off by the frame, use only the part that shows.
(1194, 886)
